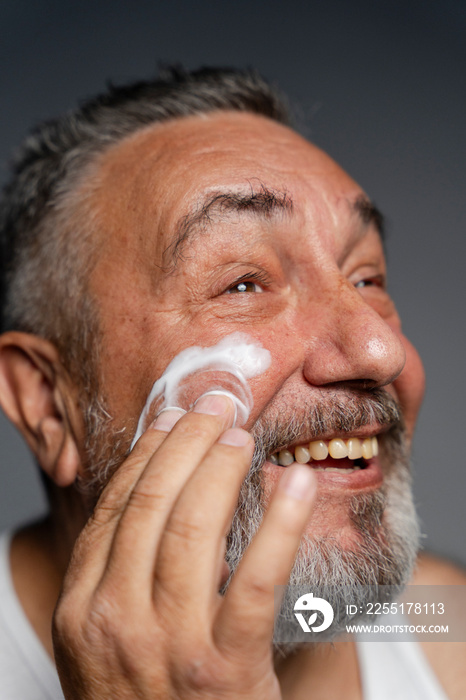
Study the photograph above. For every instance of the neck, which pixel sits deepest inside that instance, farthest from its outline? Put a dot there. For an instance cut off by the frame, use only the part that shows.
(39, 557)
(320, 671)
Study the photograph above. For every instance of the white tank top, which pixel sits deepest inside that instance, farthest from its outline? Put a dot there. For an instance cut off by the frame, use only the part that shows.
(396, 670)
(26, 670)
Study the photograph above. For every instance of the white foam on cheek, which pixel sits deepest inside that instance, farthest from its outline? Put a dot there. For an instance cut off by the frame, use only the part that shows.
(236, 354)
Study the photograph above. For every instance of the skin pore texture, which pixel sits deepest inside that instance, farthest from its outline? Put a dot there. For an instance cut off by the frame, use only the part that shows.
(269, 238)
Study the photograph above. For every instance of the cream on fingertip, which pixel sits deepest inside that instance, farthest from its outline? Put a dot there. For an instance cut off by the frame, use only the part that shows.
(214, 406)
(225, 367)
(167, 418)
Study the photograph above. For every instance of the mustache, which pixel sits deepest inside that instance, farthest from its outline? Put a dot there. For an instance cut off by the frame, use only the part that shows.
(336, 412)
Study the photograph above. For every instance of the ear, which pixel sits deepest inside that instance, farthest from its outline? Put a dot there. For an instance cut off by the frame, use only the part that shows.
(38, 396)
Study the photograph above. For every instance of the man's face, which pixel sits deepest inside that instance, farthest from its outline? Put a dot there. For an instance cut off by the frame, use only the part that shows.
(231, 222)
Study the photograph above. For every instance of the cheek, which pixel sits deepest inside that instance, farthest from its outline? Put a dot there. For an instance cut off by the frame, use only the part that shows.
(286, 360)
(410, 385)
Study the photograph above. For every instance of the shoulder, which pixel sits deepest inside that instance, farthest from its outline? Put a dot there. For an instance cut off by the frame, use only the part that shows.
(447, 659)
(433, 570)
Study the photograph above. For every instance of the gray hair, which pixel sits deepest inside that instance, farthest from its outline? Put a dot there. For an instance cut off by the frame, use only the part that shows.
(46, 225)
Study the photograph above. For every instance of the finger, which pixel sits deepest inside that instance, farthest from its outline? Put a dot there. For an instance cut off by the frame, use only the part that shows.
(93, 545)
(248, 609)
(190, 558)
(141, 526)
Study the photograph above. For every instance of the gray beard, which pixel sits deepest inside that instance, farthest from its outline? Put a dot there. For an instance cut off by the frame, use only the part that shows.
(385, 521)
(383, 554)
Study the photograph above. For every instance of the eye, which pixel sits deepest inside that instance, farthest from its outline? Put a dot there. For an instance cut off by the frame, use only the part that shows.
(376, 281)
(245, 286)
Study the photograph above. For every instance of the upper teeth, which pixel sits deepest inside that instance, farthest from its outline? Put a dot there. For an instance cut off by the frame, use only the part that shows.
(353, 448)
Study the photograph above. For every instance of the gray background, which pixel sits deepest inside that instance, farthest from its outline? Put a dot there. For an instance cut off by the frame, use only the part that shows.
(381, 86)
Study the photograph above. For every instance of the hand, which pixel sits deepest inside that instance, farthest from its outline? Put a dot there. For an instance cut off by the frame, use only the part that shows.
(140, 615)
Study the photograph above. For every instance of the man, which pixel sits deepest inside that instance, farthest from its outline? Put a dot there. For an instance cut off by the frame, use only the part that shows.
(170, 215)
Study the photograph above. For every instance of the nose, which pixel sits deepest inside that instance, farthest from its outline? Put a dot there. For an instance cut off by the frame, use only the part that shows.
(349, 341)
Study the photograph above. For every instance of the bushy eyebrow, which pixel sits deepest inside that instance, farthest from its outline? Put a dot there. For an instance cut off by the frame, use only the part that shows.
(258, 201)
(369, 214)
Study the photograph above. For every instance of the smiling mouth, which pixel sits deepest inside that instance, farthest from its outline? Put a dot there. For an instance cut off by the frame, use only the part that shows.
(325, 455)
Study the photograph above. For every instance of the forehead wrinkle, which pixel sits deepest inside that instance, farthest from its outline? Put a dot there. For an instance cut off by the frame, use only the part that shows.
(262, 202)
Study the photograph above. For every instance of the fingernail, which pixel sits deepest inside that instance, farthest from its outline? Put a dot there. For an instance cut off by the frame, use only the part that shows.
(167, 418)
(299, 482)
(213, 404)
(234, 437)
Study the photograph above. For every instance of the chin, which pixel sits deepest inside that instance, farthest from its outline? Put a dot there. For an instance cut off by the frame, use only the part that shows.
(368, 560)
(359, 546)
